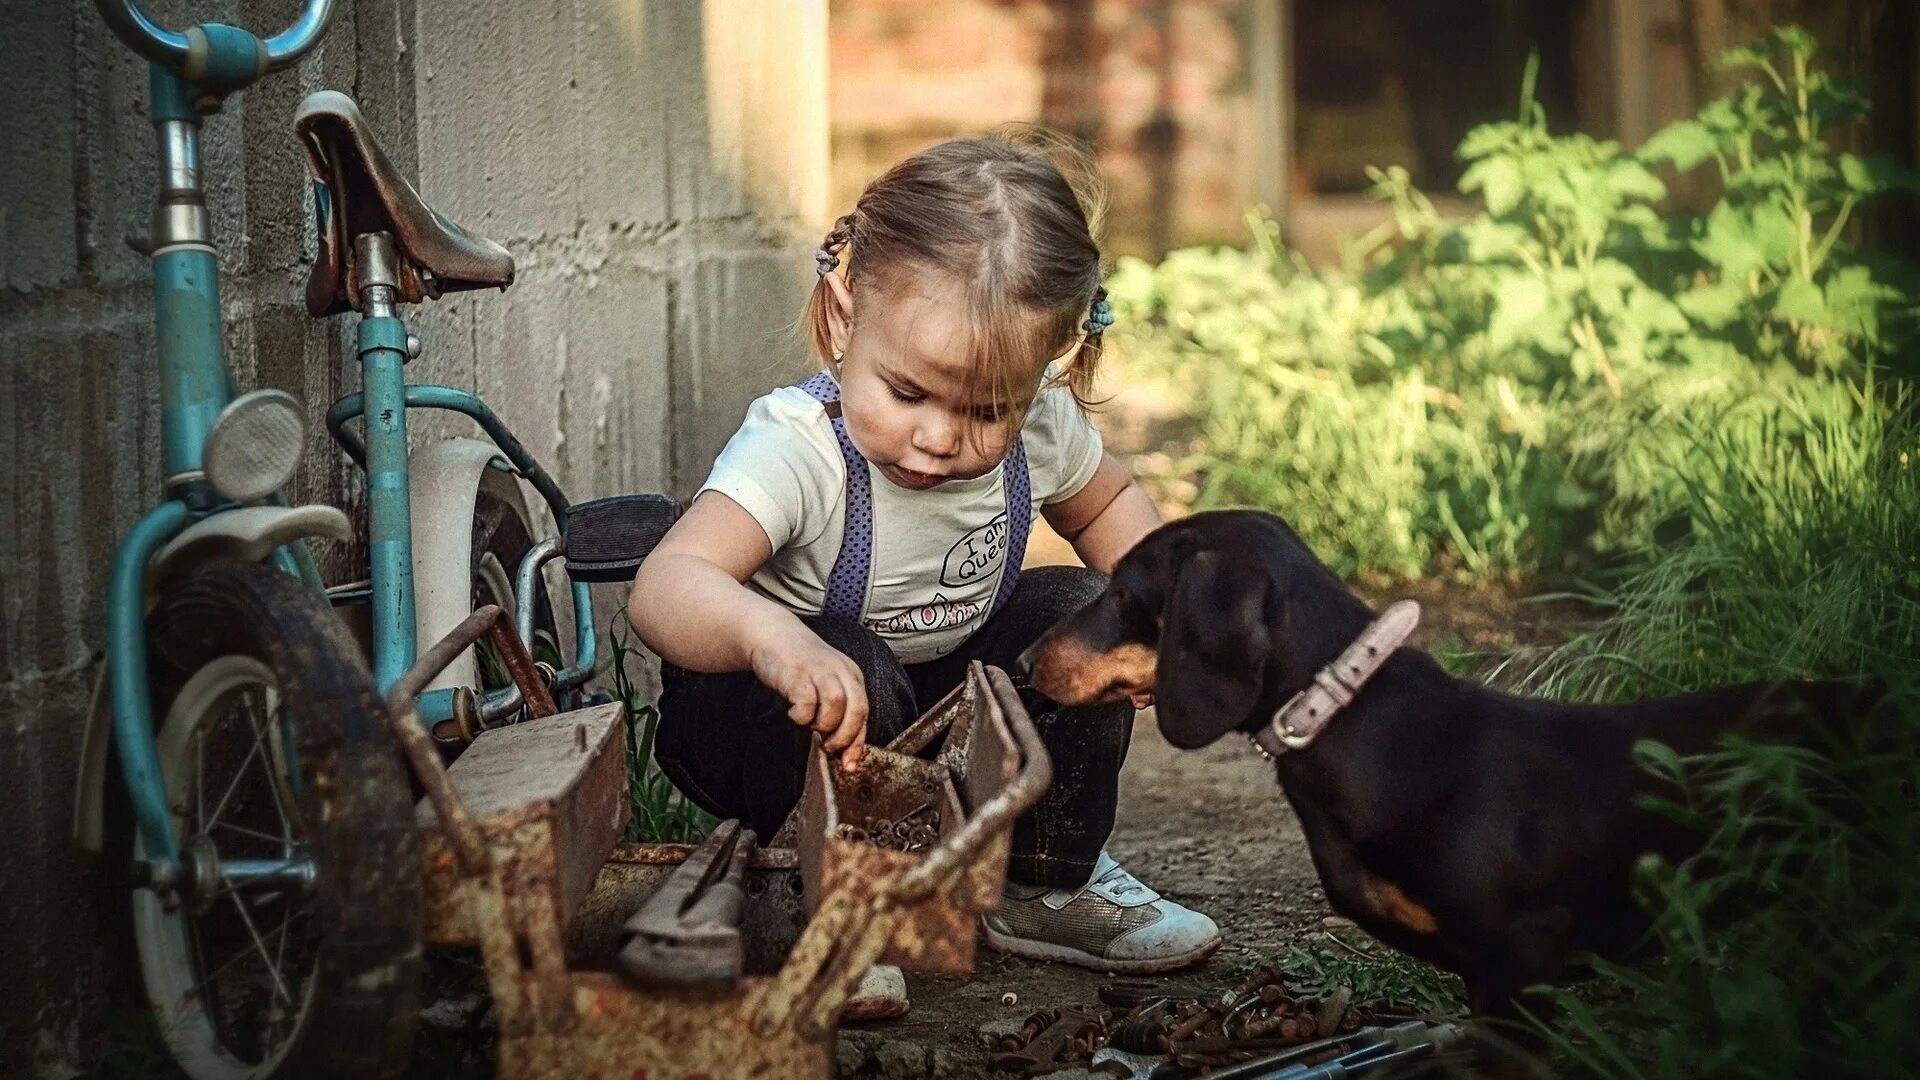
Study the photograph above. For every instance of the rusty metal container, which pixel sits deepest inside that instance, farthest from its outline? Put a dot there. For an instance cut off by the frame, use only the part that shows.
(550, 795)
(775, 915)
(978, 760)
(511, 843)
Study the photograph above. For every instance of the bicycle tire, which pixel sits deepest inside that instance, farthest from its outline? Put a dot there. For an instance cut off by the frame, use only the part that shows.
(351, 799)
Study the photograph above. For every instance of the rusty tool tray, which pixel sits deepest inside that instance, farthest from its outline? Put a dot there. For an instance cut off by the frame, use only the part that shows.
(559, 1020)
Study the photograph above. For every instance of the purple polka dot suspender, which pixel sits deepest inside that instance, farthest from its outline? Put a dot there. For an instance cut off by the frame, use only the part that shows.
(852, 573)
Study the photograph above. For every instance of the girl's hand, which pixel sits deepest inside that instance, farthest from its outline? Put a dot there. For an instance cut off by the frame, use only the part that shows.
(822, 685)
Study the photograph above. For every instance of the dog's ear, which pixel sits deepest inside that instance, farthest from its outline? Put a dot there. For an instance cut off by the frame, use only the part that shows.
(1213, 649)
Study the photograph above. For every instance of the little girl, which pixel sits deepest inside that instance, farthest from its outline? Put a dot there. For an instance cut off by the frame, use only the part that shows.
(859, 540)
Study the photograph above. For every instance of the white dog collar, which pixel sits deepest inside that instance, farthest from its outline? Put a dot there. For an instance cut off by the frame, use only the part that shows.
(1306, 714)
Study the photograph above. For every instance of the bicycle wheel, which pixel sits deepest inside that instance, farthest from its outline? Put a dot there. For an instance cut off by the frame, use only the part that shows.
(274, 749)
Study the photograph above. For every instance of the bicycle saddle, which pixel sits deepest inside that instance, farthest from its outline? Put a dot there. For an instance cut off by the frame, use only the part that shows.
(358, 191)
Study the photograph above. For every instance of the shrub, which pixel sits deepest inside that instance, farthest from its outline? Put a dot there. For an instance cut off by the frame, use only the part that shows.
(1504, 395)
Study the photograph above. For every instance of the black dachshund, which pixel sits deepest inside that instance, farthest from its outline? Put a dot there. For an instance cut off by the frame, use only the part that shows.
(1489, 834)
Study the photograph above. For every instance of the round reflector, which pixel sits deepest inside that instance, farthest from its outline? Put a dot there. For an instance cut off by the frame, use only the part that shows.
(255, 445)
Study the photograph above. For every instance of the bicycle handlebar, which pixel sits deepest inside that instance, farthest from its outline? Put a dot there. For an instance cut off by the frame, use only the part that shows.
(174, 50)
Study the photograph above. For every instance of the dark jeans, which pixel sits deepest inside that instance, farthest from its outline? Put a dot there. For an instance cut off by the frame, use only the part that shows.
(725, 739)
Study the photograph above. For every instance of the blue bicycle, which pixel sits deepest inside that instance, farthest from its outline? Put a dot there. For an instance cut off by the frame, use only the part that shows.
(268, 830)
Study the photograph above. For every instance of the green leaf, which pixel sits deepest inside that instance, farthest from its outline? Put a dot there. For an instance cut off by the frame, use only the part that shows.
(1876, 173)
(1709, 354)
(1608, 284)
(1653, 312)
(1739, 240)
(1800, 300)
(1487, 139)
(1684, 144)
(1517, 308)
(1658, 758)
(1499, 180)
(1489, 240)
(1715, 305)
(1632, 180)
(1797, 40)
(1854, 301)
(1753, 55)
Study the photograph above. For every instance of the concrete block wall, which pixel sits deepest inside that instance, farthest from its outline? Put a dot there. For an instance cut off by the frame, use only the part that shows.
(658, 168)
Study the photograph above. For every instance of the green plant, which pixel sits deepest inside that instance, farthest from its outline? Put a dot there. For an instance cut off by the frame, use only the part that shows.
(1513, 393)
(660, 814)
(1377, 976)
(1789, 939)
(1803, 560)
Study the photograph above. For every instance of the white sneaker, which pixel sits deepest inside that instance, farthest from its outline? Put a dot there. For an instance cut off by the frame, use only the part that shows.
(1113, 923)
(882, 995)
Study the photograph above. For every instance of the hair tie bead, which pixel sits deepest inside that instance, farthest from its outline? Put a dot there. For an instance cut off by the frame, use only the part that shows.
(1100, 319)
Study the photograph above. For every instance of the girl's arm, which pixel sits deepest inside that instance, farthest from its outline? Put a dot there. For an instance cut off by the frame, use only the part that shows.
(690, 604)
(1106, 517)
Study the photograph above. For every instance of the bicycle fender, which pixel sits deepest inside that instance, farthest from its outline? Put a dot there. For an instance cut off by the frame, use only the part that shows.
(249, 533)
(89, 795)
(445, 479)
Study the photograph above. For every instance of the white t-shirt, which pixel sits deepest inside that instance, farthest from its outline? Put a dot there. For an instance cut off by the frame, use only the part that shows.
(937, 554)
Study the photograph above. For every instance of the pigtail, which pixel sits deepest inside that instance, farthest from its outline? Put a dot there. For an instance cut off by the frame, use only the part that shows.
(825, 261)
(1085, 364)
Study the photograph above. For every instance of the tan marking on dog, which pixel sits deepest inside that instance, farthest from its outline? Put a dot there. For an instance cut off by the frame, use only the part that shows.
(1388, 902)
(1072, 674)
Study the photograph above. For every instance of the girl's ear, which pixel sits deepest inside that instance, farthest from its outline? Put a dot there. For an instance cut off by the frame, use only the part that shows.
(839, 313)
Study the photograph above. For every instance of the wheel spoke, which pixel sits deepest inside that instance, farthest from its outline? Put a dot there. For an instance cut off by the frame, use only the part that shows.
(199, 775)
(205, 980)
(271, 764)
(278, 841)
(280, 949)
(252, 752)
(261, 946)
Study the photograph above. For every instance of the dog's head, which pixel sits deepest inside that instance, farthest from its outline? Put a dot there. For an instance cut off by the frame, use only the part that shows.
(1216, 615)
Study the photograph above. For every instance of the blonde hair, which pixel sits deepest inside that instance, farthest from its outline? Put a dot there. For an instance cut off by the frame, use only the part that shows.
(1013, 217)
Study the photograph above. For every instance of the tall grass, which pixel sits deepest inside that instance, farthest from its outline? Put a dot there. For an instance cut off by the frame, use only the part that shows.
(1802, 559)
(659, 813)
(1790, 941)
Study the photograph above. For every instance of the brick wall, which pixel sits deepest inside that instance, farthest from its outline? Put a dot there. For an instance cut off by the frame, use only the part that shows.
(1158, 87)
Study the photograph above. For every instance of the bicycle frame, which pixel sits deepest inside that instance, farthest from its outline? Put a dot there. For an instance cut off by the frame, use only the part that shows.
(196, 385)
(383, 405)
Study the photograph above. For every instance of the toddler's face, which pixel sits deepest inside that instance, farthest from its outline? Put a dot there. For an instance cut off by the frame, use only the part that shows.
(903, 387)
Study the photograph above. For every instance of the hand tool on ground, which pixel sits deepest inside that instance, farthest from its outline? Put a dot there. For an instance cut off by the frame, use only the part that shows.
(687, 934)
(1371, 1048)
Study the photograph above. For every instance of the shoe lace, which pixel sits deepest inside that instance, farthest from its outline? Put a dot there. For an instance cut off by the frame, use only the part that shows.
(1120, 883)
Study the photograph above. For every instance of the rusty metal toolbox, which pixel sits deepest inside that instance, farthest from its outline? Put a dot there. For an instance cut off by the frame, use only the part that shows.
(511, 871)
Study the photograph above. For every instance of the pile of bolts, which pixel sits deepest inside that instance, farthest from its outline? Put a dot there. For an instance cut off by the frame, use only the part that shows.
(914, 831)
(1149, 1031)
